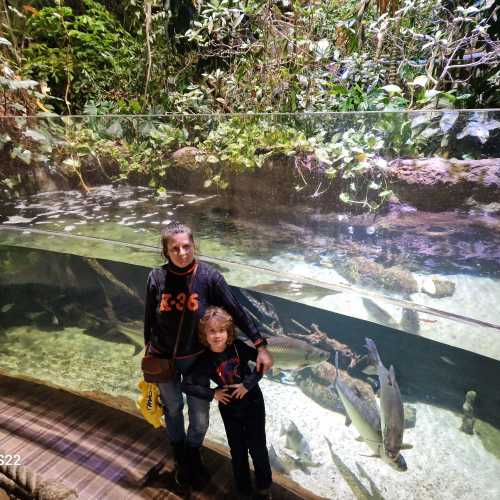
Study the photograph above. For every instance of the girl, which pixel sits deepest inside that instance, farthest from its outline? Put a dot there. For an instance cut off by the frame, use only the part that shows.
(177, 295)
(240, 400)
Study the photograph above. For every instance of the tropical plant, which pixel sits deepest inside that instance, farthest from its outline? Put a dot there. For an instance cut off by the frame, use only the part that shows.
(81, 56)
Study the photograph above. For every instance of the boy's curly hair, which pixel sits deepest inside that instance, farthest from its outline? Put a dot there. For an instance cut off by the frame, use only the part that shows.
(218, 314)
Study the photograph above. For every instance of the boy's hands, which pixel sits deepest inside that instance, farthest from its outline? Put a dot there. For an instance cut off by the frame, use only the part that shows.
(222, 395)
(239, 390)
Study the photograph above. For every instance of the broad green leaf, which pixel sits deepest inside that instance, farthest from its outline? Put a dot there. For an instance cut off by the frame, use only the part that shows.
(420, 81)
(35, 135)
(70, 162)
(22, 84)
(392, 89)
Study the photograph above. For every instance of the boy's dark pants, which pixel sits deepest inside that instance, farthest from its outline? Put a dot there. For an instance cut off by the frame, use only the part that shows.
(246, 433)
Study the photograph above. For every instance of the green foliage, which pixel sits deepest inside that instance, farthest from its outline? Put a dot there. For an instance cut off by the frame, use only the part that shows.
(142, 148)
(81, 56)
(244, 143)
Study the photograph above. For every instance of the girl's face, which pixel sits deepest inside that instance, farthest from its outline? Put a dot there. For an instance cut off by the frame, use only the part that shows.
(216, 334)
(180, 250)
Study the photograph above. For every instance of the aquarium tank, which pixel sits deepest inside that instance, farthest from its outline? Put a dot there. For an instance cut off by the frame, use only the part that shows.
(338, 232)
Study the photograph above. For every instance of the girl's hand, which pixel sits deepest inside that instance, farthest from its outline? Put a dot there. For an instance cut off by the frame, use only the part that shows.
(239, 390)
(222, 396)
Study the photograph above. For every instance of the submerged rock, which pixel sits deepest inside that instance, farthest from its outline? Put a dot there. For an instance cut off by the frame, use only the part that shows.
(438, 288)
(321, 394)
(186, 157)
(410, 321)
(365, 272)
(317, 383)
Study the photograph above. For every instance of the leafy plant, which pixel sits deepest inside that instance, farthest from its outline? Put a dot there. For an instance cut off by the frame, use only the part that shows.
(80, 56)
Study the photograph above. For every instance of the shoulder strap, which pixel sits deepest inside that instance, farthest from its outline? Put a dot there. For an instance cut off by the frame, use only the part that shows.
(179, 329)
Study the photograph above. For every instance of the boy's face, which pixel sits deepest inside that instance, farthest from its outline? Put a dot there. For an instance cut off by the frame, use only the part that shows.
(216, 334)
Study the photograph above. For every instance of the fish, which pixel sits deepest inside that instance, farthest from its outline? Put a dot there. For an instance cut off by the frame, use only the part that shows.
(447, 360)
(264, 307)
(7, 308)
(391, 407)
(293, 354)
(300, 463)
(358, 488)
(365, 416)
(296, 442)
(285, 463)
(276, 463)
(293, 288)
(133, 331)
(379, 315)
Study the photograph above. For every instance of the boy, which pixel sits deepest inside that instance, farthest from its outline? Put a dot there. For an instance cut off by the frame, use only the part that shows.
(240, 399)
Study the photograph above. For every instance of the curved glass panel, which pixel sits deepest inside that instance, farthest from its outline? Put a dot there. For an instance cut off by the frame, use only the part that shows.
(265, 190)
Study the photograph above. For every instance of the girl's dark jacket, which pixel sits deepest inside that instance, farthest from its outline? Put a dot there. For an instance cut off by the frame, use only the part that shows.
(169, 290)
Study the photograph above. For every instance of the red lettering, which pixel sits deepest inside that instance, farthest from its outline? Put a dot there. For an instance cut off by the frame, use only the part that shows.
(164, 305)
(181, 298)
(193, 303)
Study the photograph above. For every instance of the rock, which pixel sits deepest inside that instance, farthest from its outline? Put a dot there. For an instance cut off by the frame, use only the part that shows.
(410, 321)
(468, 418)
(324, 373)
(320, 394)
(365, 272)
(316, 382)
(438, 288)
(437, 184)
(186, 157)
(55, 490)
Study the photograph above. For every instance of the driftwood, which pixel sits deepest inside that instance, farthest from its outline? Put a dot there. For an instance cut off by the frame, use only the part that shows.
(320, 339)
(111, 278)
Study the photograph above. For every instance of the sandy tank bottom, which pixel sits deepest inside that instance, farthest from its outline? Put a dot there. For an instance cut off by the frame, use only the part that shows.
(444, 462)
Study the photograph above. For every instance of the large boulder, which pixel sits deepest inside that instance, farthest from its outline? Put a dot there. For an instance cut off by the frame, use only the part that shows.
(440, 184)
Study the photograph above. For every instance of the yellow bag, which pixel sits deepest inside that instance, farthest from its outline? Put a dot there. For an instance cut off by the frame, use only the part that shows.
(149, 403)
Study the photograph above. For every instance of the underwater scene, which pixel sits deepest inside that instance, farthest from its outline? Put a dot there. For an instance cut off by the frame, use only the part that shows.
(370, 241)
(75, 322)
